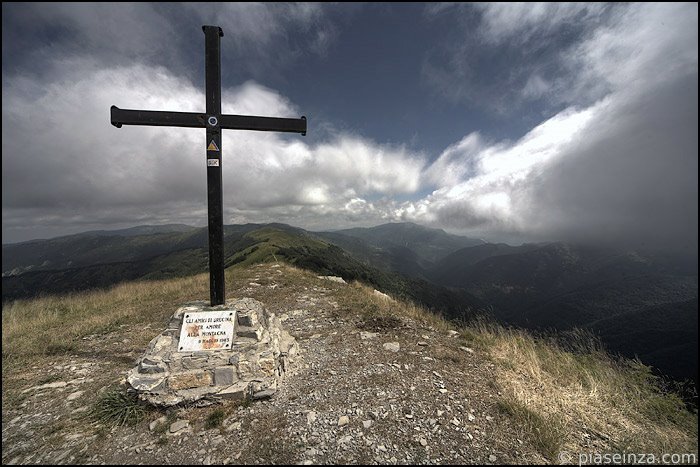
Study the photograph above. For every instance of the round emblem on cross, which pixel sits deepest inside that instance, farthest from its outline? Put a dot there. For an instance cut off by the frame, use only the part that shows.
(213, 121)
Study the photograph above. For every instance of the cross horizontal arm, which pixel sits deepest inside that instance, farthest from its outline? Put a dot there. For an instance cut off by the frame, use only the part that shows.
(196, 120)
(156, 118)
(245, 122)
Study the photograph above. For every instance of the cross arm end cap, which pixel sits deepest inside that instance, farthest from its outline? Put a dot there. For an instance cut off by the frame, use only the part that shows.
(221, 31)
(111, 110)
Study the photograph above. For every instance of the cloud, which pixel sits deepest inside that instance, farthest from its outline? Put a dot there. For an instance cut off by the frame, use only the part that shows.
(479, 183)
(509, 56)
(632, 178)
(261, 38)
(265, 36)
(639, 48)
(117, 33)
(616, 161)
(621, 169)
(80, 169)
(521, 22)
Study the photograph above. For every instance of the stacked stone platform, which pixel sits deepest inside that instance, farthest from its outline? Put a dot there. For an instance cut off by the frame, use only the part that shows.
(260, 355)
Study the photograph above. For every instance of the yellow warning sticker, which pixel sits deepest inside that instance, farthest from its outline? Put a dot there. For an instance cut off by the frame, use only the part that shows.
(212, 146)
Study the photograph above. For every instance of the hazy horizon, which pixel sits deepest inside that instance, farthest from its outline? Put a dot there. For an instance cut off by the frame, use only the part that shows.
(642, 248)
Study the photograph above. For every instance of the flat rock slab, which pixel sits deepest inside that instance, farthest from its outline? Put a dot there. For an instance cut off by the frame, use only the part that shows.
(179, 425)
(337, 279)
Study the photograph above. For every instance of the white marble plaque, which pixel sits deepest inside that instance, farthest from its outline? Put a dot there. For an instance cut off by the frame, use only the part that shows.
(207, 330)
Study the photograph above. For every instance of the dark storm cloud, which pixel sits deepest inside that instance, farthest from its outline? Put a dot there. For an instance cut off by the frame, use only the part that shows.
(634, 180)
(622, 169)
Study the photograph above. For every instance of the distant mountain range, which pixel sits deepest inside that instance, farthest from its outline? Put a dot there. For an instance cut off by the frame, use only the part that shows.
(639, 304)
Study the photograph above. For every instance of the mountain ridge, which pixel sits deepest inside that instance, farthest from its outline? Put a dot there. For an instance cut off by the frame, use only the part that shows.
(537, 286)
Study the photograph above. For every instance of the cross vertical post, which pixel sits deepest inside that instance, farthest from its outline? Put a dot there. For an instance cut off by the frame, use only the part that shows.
(212, 64)
(214, 121)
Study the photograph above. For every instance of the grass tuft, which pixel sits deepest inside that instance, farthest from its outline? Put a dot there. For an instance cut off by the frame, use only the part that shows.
(118, 408)
(215, 419)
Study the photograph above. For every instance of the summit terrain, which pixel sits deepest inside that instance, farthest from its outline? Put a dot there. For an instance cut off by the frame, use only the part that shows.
(378, 380)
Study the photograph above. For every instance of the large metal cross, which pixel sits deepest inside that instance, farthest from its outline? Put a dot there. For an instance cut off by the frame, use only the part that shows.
(214, 122)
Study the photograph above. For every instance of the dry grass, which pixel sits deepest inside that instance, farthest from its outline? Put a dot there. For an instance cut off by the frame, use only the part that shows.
(584, 395)
(567, 395)
(376, 306)
(545, 433)
(53, 324)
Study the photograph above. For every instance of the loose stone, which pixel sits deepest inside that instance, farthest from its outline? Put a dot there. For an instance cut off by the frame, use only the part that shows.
(392, 346)
(75, 395)
(179, 425)
(310, 417)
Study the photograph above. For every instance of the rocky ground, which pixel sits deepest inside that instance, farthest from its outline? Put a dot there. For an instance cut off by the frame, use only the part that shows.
(370, 387)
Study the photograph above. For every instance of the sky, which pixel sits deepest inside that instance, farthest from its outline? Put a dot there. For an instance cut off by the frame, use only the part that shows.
(507, 122)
